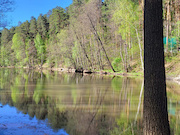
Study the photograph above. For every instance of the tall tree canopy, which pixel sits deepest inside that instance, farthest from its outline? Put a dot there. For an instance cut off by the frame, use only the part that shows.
(89, 34)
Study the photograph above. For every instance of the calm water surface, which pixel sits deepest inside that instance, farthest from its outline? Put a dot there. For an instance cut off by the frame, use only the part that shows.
(50, 103)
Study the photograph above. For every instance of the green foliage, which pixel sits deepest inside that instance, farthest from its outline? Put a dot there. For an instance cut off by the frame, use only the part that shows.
(73, 37)
(41, 49)
(126, 127)
(42, 26)
(57, 20)
(33, 27)
(25, 29)
(4, 56)
(175, 31)
(5, 51)
(170, 58)
(28, 43)
(75, 50)
(62, 50)
(19, 48)
(126, 16)
(57, 49)
(117, 64)
(5, 37)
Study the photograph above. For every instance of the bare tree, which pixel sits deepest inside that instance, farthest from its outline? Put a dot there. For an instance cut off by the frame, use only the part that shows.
(83, 48)
(101, 43)
(93, 14)
(5, 6)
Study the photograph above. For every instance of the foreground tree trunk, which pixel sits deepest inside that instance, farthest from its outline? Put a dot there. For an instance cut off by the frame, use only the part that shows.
(155, 117)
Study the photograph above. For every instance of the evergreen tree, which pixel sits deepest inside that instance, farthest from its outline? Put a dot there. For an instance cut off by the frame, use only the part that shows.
(33, 27)
(42, 26)
(5, 37)
(25, 27)
(57, 20)
(12, 32)
(89, 33)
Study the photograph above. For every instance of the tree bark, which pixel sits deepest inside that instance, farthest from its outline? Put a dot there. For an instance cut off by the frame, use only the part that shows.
(125, 57)
(155, 117)
(139, 42)
(122, 55)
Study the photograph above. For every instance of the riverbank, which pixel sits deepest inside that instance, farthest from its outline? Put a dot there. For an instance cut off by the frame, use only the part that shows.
(102, 72)
(173, 76)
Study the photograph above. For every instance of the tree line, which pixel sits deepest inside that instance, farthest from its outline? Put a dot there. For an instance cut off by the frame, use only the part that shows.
(89, 34)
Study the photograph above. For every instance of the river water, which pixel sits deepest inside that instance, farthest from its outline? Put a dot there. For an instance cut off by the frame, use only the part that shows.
(53, 103)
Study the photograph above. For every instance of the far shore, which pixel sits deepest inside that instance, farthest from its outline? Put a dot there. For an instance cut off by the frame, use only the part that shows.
(102, 72)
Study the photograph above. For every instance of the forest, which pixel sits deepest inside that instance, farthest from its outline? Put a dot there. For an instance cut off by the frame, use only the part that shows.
(89, 34)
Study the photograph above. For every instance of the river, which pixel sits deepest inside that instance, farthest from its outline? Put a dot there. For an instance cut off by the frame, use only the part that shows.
(56, 103)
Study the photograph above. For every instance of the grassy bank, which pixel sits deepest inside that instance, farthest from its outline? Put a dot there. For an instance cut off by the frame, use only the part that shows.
(172, 66)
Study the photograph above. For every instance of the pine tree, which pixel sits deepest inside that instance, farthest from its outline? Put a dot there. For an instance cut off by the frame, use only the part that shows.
(42, 26)
(5, 37)
(57, 20)
(33, 27)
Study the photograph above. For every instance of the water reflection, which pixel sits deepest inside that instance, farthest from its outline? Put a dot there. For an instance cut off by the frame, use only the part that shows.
(80, 104)
(173, 93)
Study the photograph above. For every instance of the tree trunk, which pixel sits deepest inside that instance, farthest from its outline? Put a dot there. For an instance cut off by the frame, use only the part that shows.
(155, 117)
(125, 58)
(167, 27)
(177, 19)
(139, 42)
(83, 48)
(97, 36)
(122, 55)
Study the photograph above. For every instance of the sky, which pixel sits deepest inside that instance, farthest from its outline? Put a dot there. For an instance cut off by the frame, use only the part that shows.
(25, 9)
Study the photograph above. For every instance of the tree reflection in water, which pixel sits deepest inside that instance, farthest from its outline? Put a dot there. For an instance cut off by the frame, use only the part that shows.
(79, 104)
